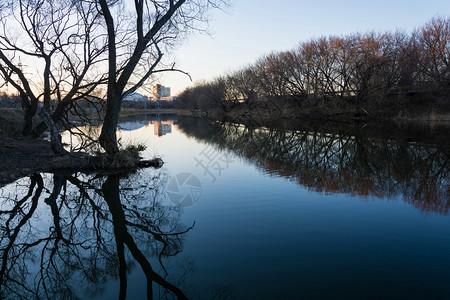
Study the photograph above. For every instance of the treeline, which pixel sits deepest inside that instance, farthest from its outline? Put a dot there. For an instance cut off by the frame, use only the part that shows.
(349, 71)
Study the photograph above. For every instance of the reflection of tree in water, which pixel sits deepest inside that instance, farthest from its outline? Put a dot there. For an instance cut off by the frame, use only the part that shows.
(88, 230)
(338, 161)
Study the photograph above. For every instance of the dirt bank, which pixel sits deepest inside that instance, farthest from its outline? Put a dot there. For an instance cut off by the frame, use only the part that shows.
(20, 156)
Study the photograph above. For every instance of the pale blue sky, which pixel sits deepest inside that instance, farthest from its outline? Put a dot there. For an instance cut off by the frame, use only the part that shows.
(253, 28)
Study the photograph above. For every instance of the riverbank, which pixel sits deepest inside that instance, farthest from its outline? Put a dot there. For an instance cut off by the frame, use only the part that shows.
(418, 117)
(21, 156)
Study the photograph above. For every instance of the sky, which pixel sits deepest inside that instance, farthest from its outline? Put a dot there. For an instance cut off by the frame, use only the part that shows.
(251, 28)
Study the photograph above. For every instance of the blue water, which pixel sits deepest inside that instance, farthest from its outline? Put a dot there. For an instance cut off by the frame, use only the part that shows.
(266, 237)
(259, 235)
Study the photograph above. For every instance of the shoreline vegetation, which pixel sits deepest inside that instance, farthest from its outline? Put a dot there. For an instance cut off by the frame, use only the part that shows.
(361, 76)
(21, 156)
(420, 117)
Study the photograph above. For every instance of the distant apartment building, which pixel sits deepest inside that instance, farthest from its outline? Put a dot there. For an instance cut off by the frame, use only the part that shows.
(161, 92)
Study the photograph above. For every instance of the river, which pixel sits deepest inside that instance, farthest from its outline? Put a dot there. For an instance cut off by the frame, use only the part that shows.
(239, 210)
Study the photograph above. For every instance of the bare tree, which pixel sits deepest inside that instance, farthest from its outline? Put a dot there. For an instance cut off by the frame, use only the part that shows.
(68, 43)
(269, 71)
(244, 85)
(432, 43)
(154, 23)
(50, 50)
(334, 74)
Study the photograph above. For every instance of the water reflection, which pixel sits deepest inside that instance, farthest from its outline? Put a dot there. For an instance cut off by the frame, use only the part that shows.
(162, 127)
(87, 230)
(162, 123)
(85, 138)
(133, 125)
(94, 236)
(350, 160)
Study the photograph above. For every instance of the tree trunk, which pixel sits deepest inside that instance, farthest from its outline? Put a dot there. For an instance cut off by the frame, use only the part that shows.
(47, 83)
(57, 115)
(29, 112)
(54, 134)
(27, 122)
(116, 86)
(108, 136)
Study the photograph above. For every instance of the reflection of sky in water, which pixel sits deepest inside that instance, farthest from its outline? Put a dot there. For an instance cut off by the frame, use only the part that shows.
(268, 237)
(132, 125)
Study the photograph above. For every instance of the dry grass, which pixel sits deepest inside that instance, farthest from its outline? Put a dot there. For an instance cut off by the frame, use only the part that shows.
(126, 158)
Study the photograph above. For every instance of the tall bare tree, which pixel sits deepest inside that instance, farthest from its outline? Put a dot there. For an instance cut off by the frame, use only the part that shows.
(432, 43)
(70, 50)
(50, 50)
(154, 23)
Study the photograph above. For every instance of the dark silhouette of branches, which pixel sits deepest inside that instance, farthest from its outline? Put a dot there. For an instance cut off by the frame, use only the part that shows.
(91, 224)
(335, 159)
(155, 23)
(62, 38)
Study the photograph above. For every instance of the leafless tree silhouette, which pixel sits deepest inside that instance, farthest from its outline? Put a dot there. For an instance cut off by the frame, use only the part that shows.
(97, 228)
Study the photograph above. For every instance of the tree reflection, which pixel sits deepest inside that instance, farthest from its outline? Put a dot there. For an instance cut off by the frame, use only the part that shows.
(338, 159)
(85, 232)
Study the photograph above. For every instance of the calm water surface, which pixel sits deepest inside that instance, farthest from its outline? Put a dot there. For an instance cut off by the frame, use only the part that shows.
(238, 211)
